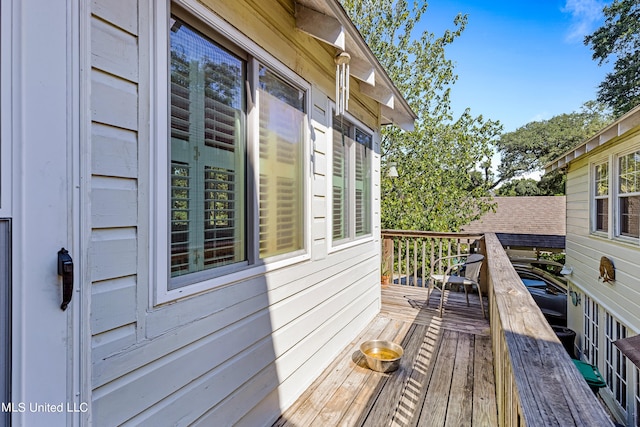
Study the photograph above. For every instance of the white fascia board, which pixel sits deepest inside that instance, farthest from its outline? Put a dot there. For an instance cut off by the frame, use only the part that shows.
(617, 129)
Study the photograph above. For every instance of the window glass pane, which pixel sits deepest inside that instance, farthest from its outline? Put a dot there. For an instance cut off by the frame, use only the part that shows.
(351, 180)
(602, 215)
(630, 216)
(615, 361)
(629, 203)
(281, 165)
(207, 153)
(602, 179)
(591, 331)
(363, 183)
(340, 207)
(629, 179)
(363, 190)
(601, 184)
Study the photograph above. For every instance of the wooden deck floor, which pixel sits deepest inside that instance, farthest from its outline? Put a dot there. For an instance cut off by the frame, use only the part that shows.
(445, 378)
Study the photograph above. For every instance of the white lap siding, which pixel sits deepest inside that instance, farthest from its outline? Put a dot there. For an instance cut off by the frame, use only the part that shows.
(239, 353)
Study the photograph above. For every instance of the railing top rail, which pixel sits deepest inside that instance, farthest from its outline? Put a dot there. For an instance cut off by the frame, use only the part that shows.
(431, 234)
(551, 391)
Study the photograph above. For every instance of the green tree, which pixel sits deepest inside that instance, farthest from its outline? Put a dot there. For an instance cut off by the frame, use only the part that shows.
(519, 187)
(531, 147)
(436, 162)
(619, 37)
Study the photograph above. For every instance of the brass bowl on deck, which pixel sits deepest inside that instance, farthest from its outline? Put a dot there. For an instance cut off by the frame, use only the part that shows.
(382, 356)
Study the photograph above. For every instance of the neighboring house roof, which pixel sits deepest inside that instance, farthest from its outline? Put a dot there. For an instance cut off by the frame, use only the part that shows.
(328, 22)
(536, 221)
(612, 132)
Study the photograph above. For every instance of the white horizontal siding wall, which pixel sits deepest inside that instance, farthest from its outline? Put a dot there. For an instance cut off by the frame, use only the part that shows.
(114, 166)
(584, 250)
(240, 353)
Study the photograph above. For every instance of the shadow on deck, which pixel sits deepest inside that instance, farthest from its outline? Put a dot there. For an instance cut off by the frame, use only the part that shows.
(446, 376)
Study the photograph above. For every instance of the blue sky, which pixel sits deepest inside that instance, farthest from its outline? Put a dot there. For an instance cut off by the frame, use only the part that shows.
(521, 60)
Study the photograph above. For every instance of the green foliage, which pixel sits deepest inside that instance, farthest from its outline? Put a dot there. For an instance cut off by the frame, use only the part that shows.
(519, 187)
(535, 144)
(619, 37)
(436, 189)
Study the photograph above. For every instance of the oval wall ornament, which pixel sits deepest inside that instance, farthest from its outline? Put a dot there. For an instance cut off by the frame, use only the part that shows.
(607, 270)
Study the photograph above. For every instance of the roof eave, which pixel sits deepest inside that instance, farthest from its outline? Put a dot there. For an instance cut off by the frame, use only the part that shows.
(614, 131)
(328, 22)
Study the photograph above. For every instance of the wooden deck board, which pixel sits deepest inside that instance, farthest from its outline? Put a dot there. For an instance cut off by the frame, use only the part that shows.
(445, 378)
(315, 398)
(484, 395)
(390, 393)
(459, 409)
(434, 408)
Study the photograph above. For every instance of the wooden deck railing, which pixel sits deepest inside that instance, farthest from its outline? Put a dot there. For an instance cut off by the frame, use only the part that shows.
(410, 256)
(536, 381)
(537, 384)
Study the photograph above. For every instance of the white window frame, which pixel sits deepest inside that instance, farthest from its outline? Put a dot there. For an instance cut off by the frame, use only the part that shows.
(616, 373)
(6, 68)
(616, 195)
(594, 197)
(159, 244)
(591, 332)
(351, 239)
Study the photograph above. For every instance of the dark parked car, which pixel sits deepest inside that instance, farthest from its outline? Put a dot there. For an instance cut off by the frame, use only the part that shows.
(548, 291)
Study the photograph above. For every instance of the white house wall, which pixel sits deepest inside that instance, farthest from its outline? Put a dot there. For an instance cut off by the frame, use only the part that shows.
(239, 353)
(584, 250)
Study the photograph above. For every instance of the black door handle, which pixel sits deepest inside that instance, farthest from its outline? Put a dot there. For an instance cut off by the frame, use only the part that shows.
(65, 269)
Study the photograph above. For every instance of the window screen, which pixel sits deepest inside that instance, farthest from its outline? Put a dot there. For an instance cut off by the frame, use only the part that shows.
(207, 153)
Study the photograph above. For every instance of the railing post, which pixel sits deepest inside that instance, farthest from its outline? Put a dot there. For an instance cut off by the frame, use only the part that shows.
(387, 256)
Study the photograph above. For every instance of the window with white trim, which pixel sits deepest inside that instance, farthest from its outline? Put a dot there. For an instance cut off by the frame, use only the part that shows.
(237, 173)
(591, 330)
(615, 361)
(629, 195)
(601, 197)
(351, 181)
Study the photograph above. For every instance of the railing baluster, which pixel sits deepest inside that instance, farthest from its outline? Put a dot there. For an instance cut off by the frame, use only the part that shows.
(399, 261)
(407, 263)
(415, 262)
(424, 253)
(433, 256)
(412, 268)
(391, 259)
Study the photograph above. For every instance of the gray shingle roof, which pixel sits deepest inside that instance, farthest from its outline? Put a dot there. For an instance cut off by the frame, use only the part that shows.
(543, 215)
